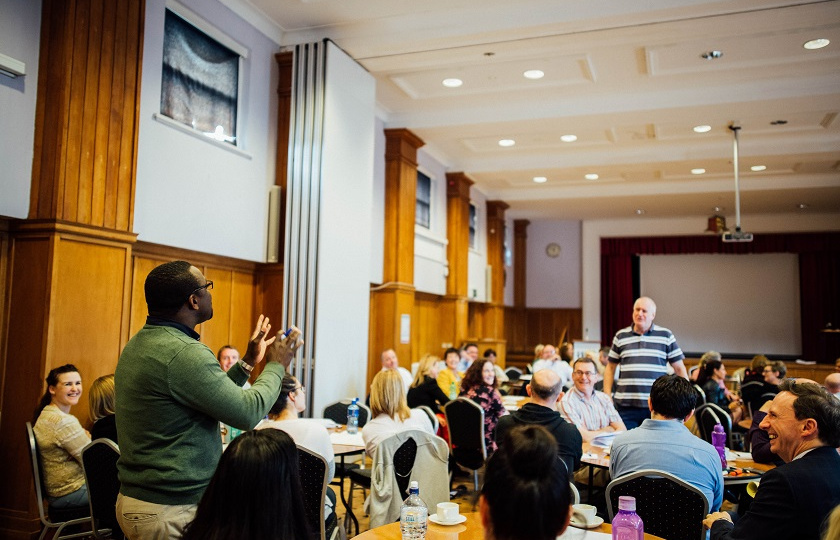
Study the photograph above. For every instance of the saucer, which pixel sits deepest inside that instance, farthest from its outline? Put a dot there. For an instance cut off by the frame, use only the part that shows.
(575, 522)
(460, 519)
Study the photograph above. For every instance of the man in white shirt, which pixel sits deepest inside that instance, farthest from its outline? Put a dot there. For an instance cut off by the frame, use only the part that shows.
(550, 360)
(390, 361)
(590, 410)
(469, 354)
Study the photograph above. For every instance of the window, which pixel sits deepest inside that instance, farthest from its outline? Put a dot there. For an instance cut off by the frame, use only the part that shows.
(200, 81)
(422, 208)
(473, 221)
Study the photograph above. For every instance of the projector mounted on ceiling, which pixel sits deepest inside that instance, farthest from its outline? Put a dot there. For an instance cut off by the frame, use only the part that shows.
(738, 235)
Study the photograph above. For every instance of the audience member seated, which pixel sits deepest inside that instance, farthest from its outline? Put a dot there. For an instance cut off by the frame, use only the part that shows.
(592, 412)
(480, 385)
(525, 495)
(538, 349)
(424, 388)
(390, 411)
(60, 439)
(793, 500)
(306, 432)
(695, 374)
(832, 384)
(101, 407)
(713, 382)
(758, 439)
(551, 360)
(755, 371)
(227, 356)
(490, 355)
(546, 390)
(254, 493)
(774, 372)
(449, 379)
(567, 352)
(663, 442)
(390, 361)
(468, 355)
(833, 530)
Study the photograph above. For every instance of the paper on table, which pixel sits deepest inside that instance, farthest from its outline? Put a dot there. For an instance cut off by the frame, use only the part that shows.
(604, 440)
(572, 533)
(342, 437)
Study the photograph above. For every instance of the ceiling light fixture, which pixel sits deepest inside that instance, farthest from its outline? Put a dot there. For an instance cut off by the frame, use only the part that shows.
(452, 83)
(507, 142)
(568, 138)
(639, 211)
(802, 206)
(758, 168)
(702, 129)
(698, 171)
(591, 176)
(711, 55)
(818, 43)
(540, 179)
(534, 74)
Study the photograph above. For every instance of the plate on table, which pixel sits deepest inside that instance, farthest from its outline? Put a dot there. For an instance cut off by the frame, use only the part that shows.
(460, 519)
(580, 524)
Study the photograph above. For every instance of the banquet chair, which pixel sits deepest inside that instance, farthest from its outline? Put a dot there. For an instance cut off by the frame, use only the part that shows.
(670, 507)
(53, 518)
(513, 373)
(465, 420)
(313, 480)
(432, 416)
(701, 395)
(750, 393)
(707, 416)
(99, 461)
(337, 412)
(575, 493)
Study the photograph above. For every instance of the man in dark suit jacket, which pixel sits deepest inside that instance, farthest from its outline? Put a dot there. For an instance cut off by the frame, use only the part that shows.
(794, 499)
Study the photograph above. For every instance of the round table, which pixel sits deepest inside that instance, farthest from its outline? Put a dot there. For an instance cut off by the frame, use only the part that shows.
(471, 529)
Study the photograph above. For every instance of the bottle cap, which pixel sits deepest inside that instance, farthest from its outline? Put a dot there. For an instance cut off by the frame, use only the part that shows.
(718, 427)
(627, 503)
(414, 487)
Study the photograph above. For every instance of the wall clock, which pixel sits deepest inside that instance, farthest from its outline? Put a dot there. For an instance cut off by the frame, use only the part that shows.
(552, 250)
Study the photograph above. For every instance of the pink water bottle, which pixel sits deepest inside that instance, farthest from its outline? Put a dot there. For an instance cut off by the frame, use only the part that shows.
(627, 525)
(719, 442)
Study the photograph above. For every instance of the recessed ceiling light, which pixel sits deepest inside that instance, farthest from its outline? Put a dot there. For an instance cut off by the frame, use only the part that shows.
(568, 138)
(718, 208)
(639, 211)
(702, 129)
(452, 83)
(534, 74)
(711, 55)
(540, 179)
(507, 142)
(802, 206)
(816, 43)
(757, 168)
(591, 176)
(698, 171)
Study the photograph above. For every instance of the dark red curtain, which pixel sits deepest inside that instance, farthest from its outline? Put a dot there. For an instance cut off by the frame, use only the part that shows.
(819, 273)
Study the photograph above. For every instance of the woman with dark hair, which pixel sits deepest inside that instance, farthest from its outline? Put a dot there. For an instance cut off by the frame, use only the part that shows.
(61, 438)
(101, 407)
(254, 493)
(526, 493)
(713, 382)
(479, 384)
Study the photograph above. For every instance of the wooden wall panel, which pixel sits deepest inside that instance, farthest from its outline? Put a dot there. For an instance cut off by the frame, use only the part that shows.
(5, 258)
(526, 327)
(426, 331)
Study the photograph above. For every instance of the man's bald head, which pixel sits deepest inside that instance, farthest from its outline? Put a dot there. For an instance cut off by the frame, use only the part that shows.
(832, 383)
(545, 387)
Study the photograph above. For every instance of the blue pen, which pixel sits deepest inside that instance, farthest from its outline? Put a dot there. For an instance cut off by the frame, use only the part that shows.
(286, 333)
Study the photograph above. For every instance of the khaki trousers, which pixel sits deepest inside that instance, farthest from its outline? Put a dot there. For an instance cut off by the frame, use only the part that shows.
(141, 520)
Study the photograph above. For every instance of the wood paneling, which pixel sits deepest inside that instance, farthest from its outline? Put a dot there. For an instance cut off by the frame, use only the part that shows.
(520, 261)
(527, 327)
(400, 201)
(457, 232)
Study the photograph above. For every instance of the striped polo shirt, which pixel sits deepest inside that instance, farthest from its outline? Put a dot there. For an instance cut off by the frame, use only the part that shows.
(643, 359)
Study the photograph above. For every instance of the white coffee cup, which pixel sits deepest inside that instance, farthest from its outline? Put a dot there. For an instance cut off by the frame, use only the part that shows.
(448, 511)
(584, 512)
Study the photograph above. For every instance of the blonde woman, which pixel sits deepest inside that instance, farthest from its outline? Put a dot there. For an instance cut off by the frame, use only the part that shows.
(424, 388)
(390, 411)
(101, 408)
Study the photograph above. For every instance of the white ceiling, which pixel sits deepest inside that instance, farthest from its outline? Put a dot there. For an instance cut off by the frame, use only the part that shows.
(625, 77)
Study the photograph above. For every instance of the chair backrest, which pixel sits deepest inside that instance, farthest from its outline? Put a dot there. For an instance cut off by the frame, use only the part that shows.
(706, 420)
(670, 507)
(337, 412)
(404, 463)
(313, 480)
(465, 420)
(35, 460)
(432, 416)
(701, 395)
(513, 373)
(99, 460)
(575, 493)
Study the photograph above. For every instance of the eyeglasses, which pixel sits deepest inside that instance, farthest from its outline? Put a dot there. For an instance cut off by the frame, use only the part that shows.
(579, 373)
(301, 388)
(208, 286)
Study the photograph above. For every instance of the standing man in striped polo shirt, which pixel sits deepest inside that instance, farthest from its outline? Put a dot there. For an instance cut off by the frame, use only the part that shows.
(644, 351)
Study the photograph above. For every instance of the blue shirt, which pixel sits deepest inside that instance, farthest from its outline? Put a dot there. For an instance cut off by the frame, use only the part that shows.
(667, 445)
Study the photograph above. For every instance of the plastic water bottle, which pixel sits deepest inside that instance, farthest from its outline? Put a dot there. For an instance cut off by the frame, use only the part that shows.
(719, 442)
(413, 515)
(353, 417)
(627, 525)
(453, 392)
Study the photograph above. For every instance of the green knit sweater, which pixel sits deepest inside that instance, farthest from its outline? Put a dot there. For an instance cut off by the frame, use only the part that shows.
(170, 396)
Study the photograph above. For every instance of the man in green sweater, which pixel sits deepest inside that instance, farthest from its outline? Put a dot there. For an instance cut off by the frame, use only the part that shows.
(171, 395)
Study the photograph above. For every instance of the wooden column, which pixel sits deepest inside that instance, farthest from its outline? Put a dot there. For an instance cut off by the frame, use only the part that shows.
(71, 260)
(395, 298)
(455, 307)
(494, 313)
(520, 261)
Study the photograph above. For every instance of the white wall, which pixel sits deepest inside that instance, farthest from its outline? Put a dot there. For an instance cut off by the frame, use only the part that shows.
(377, 212)
(509, 238)
(553, 282)
(344, 236)
(20, 34)
(192, 193)
(594, 230)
